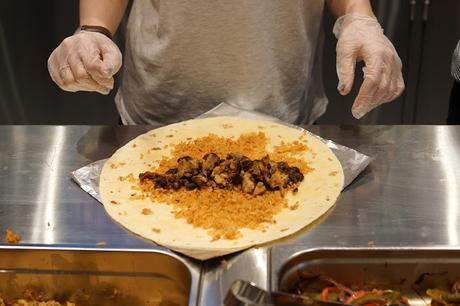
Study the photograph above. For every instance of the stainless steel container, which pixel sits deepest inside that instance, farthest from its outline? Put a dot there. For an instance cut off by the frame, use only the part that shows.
(409, 270)
(98, 276)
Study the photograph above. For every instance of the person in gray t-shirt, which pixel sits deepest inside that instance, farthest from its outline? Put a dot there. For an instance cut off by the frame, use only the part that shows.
(184, 58)
(453, 116)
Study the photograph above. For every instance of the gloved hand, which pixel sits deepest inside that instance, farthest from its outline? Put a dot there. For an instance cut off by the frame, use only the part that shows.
(361, 37)
(85, 61)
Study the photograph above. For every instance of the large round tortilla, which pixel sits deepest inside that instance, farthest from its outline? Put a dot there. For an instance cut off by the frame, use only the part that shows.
(317, 192)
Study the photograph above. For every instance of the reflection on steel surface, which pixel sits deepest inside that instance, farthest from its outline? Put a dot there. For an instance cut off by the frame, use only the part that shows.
(49, 182)
(449, 157)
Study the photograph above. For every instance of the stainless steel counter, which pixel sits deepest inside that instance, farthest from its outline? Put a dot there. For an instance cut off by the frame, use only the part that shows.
(409, 196)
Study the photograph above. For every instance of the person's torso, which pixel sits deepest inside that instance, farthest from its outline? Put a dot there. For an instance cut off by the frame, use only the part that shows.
(184, 57)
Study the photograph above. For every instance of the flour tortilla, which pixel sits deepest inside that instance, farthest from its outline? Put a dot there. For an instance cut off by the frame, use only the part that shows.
(317, 192)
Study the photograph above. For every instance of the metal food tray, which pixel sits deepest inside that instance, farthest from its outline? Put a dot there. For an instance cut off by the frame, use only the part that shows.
(98, 276)
(409, 270)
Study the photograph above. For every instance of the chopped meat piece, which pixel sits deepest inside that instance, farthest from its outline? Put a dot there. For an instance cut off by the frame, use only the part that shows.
(183, 181)
(210, 161)
(260, 189)
(283, 167)
(191, 185)
(278, 180)
(236, 179)
(200, 180)
(248, 184)
(173, 181)
(231, 164)
(258, 170)
(295, 175)
(187, 167)
(220, 176)
(266, 160)
(172, 178)
(160, 181)
(273, 167)
(246, 164)
(171, 171)
(236, 156)
(146, 175)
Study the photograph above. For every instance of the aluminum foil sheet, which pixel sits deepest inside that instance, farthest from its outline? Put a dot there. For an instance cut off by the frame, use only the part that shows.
(353, 162)
(87, 178)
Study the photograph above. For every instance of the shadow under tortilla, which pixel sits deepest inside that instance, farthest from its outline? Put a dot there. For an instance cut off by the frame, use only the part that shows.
(363, 178)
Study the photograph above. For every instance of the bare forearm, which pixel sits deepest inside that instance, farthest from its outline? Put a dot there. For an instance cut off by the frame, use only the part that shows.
(105, 13)
(341, 7)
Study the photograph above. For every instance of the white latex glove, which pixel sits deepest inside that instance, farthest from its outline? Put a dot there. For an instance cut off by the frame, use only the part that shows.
(359, 38)
(85, 61)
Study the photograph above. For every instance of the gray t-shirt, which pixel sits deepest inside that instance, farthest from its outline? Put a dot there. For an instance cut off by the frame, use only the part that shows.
(185, 57)
(455, 64)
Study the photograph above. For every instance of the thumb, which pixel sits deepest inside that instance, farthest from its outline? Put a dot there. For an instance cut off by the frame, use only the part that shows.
(111, 60)
(346, 64)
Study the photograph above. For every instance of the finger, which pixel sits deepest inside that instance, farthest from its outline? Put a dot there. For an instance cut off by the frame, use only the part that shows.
(92, 85)
(78, 70)
(400, 84)
(104, 82)
(345, 65)
(93, 88)
(111, 59)
(54, 73)
(366, 93)
(59, 68)
(67, 80)
(93, 63)
(84, 80)
(102, 62)
(383, 89)
(397, 84)
(391, 94)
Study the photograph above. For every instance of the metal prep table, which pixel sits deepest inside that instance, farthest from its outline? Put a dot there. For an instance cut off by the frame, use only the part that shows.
(409, 196)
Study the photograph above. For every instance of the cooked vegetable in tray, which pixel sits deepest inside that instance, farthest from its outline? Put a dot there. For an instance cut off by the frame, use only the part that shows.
(325, 288)
(443, 297)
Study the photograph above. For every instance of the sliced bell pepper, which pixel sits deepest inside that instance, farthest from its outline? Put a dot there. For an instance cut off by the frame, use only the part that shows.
(327, 290)
(356, 295)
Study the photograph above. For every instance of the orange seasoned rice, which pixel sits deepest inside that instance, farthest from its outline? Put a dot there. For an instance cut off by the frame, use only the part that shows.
(12, 237)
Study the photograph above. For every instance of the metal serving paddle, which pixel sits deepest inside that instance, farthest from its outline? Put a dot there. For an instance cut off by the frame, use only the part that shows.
(243, 293)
